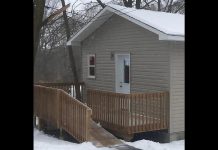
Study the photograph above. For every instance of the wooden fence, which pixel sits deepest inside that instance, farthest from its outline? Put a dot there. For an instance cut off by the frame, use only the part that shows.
(130, 113)
(63, 111)
(67, 87)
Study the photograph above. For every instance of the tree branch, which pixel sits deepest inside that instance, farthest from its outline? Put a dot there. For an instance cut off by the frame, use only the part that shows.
(147, 3)
(180, 8)
(48, 19)
(166, 5)
(170, 6)
(100, 3)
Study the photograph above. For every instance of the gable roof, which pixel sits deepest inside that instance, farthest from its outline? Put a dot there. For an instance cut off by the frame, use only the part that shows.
(167, 25)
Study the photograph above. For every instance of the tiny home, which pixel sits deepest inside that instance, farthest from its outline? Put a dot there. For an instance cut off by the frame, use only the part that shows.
(127, 50)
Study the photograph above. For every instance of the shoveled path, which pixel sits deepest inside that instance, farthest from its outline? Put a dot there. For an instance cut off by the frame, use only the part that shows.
(102, 138)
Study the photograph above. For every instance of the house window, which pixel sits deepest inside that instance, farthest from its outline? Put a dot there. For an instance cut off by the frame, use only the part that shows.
(91, 66)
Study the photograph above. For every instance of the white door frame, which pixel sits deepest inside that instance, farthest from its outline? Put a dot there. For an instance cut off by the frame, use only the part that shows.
(116, 58)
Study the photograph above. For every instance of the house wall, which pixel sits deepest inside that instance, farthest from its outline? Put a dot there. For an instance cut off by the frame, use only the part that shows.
(177, 99)
(149, 56)
(154, 66)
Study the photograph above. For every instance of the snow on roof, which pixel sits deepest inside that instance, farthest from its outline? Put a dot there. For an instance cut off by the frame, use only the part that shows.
(167, 25)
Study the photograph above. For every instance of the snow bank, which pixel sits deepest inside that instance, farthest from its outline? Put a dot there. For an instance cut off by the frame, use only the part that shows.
(46, 142)
(149, 145)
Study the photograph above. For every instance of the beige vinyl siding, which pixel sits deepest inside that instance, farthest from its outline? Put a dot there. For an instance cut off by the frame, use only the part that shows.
(155, 65)
(177, 87)
(149, 56)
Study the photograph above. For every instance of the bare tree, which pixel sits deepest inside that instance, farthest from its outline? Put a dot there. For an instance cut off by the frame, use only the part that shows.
(172, 6)
(71, 55)
(39, 6)
(38, 17)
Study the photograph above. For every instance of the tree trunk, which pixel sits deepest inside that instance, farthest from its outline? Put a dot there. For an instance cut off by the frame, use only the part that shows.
(130, 3)
(127, 3)
(158, 5)
(138, 2)
(71, 55)
(38, 17)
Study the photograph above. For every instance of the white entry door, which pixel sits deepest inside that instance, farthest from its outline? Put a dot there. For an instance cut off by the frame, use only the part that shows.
(122, 73)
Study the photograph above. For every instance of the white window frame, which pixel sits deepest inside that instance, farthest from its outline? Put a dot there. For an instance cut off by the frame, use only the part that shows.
(88, 58)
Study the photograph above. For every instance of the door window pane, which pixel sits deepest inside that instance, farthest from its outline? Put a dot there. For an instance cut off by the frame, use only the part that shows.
(126, 71)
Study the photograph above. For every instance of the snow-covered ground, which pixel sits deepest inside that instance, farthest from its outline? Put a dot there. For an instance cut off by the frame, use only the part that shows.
(149, 145)
(45, 142)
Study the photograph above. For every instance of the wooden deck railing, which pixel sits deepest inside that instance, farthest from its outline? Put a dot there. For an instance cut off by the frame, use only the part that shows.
(63, 111)
(46, 104)
(129, 113)
(67, 87)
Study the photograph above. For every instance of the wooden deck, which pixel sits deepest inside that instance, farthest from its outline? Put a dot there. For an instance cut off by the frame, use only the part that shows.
(124, 114)
(129, 113)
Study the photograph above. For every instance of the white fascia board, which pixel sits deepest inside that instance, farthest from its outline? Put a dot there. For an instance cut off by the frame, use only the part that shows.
(171, 37)
(103, 13)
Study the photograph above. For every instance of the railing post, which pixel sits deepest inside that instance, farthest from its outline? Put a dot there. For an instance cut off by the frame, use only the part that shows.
(167, 108)
(61, 134)
(34, 121)
(58, 111)
(42, 124)
(39, 124)
(88, 121)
